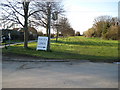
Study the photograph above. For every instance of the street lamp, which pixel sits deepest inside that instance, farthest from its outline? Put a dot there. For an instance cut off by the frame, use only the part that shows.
(55, 15)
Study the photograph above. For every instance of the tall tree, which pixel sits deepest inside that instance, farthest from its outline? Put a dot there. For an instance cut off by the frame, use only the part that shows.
(18, 12)
(64, 27)
(101, 25)
(48, 8)
(105, 27)
(44, 18)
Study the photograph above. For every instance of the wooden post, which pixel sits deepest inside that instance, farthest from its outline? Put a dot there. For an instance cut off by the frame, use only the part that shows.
(48, 29)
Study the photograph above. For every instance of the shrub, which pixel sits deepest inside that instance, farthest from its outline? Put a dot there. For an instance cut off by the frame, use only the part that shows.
(52, 35)
(112, 33)
(77, 33)
(89, 33)
(40, 33)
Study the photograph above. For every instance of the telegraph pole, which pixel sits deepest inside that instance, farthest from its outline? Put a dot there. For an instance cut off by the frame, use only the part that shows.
(54, 17)
(49, 24)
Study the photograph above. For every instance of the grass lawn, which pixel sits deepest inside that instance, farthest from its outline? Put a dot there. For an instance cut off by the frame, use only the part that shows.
(79, 47)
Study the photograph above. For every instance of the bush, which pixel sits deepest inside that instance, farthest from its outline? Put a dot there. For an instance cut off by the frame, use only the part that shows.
(77, 34)
(104, 27)
(52, 35)
(89, 33)
(40, 33)
(112, 33)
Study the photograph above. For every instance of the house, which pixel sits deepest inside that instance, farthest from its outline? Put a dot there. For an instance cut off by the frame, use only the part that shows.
(18, 33)
(15, 35)
(32, 32)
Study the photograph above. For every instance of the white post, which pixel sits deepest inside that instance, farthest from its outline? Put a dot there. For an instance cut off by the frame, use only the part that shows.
(9, 38)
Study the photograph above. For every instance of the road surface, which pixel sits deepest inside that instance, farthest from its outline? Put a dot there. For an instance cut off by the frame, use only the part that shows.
(59, 75)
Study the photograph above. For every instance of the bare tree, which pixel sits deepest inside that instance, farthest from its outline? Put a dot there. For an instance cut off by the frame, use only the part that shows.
(44, 17)
(47, 8)
(18, 12)
(64, 27)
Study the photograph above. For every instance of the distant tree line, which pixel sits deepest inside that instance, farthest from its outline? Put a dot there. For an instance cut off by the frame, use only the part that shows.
(63, 27)
(105, 27)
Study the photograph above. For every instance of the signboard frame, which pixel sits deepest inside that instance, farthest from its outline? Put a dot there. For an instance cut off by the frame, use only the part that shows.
(42, 43)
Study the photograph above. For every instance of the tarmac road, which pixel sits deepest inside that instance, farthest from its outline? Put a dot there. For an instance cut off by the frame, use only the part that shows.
(59, 75)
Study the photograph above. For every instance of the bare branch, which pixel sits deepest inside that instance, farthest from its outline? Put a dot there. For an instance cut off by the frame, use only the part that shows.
(18, 19)
(15, 9)
(34, 12)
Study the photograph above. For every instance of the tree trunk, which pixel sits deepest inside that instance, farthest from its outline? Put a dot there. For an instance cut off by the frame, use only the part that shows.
(26, 36)
(48, 27)
(57, 35)
(26, 7)
(47, 30)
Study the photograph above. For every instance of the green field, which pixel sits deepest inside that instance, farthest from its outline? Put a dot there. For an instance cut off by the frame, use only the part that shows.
(79, 47)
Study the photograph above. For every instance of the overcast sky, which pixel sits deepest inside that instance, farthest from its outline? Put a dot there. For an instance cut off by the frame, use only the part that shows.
(81, 13)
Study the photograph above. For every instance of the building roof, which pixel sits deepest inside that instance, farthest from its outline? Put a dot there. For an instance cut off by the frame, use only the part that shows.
(30, 29)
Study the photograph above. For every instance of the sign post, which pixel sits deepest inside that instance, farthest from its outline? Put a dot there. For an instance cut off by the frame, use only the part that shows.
(9, 38)
(42, 43)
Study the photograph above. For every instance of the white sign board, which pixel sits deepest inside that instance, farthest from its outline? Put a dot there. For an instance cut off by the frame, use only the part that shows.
(42, 43)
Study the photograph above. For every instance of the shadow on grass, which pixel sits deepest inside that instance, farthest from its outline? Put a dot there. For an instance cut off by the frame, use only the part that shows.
(32, 53)
(93, 58)
(87, 43)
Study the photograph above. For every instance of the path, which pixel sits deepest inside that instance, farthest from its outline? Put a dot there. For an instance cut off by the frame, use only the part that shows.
(2, 46)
